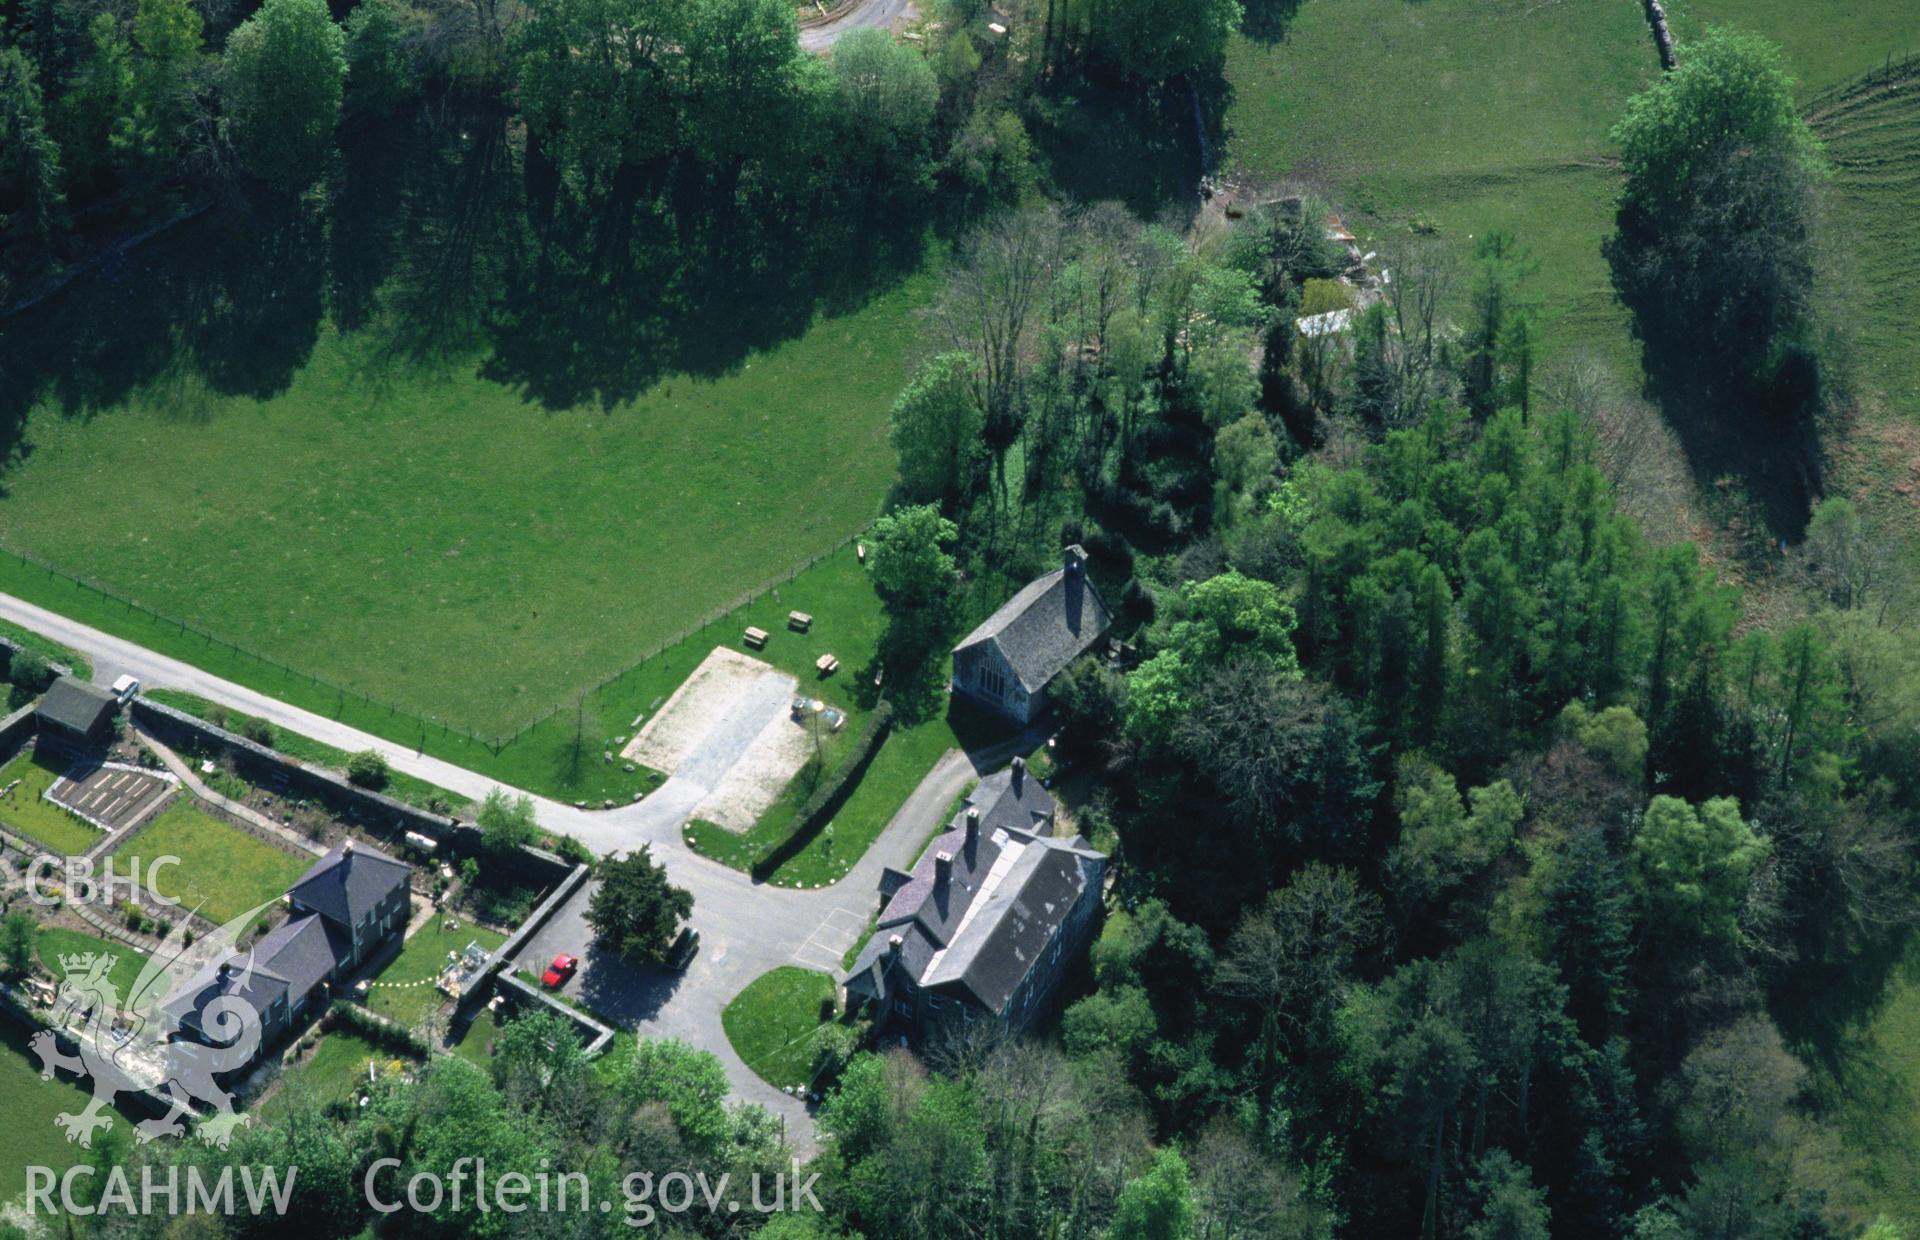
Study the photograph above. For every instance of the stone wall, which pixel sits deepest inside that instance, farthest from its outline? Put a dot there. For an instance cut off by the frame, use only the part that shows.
(348, 800)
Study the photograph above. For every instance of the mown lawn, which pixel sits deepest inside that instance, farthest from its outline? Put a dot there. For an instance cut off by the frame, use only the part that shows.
(404, 990)
(27, 811)
(29, 1137)
(337, 1066)
(772, 1022)
(428, 537)
(223, 870)
(400, 786)
(52, 943)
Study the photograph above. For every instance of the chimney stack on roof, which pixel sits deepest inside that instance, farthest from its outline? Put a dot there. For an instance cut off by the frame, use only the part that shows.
(346, 846)
(1074, 559)
(894, 944)
(942, 870)
(1019, 773)
(973, 825)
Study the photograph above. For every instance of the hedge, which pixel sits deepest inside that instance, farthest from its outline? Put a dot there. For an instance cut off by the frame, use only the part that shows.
(829, 796)
(378, 1029)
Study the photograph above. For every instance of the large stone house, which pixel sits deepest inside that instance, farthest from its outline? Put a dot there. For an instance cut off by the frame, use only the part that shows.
(345, 908)
(360, 892)
(1007, 663)
(988, 924)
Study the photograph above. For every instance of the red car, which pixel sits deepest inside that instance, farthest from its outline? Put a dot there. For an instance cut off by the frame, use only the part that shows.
(559, 971)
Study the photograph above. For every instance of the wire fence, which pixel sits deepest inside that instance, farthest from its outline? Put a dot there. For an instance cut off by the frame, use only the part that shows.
(1896, 66)
(706, 622)
(428, 723)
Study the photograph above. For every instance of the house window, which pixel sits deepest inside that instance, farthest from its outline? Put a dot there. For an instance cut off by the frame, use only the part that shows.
(903, 1007)
(993, 682)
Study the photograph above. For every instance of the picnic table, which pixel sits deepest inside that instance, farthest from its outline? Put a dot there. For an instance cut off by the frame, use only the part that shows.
(827, 664)
(757, 638)
(799, 621)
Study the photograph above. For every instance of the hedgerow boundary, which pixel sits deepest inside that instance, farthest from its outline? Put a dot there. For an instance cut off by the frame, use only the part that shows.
(92, 603)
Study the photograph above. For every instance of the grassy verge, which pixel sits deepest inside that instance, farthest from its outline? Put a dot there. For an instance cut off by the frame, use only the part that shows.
(404, 990)
(562, 756)
(772, 1022)
(400, 786)
(222, 869)
(50, 650)
(27, 812)
(30, 1137)
(903, 761)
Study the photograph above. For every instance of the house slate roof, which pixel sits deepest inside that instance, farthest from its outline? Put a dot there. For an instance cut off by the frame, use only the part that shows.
(76, 705)
(348, 883)
(1006, 897)
(1047, 625)
(1011, 799)
(287, 962)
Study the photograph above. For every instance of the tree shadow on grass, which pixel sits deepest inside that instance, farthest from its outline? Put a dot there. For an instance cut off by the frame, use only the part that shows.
(1759, 435)
(1105, 140)
(620, 296)
(1267, 21)
(232, 298)
(442, 246)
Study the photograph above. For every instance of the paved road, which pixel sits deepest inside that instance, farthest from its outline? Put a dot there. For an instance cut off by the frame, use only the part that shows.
(746, 927)
(889, 14)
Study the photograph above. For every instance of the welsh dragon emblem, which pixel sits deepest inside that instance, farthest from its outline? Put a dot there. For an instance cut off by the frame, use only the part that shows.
(139, 1045)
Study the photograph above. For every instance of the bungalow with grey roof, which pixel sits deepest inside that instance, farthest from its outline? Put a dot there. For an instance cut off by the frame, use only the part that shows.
(988, 924)
(1007, 663)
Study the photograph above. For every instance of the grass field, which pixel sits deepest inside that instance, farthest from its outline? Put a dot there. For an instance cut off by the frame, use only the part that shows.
(400, 786)
(1468, 115)
(222, 869)
(771, 1023)
(434, 540)
(29, 1137)
(27, 811)
(404, 990)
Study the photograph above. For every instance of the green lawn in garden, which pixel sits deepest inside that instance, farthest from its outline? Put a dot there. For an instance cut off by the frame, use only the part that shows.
(400, 786)
(772, 1022)
(52, 943)
(223, 870)
(337, 1066)
(26, 811)
(29, 1137)
(404, 990)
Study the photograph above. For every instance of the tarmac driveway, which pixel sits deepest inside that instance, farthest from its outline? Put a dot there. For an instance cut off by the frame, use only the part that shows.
(657, 1003)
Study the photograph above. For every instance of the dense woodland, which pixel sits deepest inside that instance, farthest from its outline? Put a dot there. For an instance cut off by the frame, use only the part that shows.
(1481, 863)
